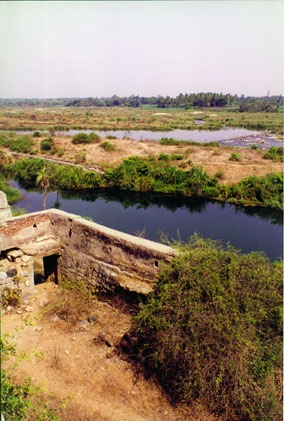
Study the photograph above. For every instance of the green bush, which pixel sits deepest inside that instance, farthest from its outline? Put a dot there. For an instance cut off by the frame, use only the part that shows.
(275, 154)
(80, 138)
(265, 191)
(85, 138)
(235, 157)
(107, 146)
(110, 136)
(163, 157)
(23, 144)
(211, 330)
(46, 144)
(94, 138)
(60, 176)
(176, 157)
(22, 402)
(146, 174)
(14, 401)
(37, 134)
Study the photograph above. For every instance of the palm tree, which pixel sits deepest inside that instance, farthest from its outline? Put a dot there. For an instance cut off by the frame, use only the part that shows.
(43, 180)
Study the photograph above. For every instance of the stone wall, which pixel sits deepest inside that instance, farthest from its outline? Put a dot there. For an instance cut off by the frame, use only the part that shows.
(22, 240)
(87, 251)
(106, 257)
(17, 271)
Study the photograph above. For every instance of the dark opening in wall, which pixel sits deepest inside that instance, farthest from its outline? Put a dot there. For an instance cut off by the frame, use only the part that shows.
(50, 268)
(38, 272)
(45, 269)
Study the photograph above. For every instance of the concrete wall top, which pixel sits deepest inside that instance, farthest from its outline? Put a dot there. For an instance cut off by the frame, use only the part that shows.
(12, 227)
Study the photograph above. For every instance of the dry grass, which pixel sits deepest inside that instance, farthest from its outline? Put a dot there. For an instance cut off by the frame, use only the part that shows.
(211, 159)
(123, 118)
(104, 386)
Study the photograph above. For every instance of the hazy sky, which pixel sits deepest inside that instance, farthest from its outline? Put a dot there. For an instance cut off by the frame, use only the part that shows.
(101, 48)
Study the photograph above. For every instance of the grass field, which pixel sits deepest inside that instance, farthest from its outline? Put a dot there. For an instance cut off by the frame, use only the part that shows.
(121, 118)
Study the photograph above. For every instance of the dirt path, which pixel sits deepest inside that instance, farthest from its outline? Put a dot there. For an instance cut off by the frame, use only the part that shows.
(80, 360)
(57, 161)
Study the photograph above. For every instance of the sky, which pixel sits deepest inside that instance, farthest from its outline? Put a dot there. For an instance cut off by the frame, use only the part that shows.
(147, 48)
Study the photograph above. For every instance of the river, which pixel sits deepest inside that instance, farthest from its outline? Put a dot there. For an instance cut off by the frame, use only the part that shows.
(175, 217)
(227, 136)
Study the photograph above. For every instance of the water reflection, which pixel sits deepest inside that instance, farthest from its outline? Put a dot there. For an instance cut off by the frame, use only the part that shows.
(145, 200)
(177, 217)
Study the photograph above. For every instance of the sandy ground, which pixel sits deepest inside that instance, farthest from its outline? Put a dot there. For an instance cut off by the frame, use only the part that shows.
(73, 360)
(212, 159)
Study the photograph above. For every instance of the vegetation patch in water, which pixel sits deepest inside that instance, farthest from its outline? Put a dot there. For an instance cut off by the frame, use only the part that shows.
(12, 194)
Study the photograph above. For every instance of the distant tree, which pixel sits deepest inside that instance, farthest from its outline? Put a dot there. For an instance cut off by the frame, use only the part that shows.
(51, 130)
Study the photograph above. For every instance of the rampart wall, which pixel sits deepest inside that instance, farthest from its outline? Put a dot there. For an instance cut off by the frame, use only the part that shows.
(84, 250)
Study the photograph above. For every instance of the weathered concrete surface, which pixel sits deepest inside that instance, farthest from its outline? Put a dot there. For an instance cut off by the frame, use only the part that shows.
(89, 252)
(18, 231)
(22, 239)
(107, 257)
(5, 210)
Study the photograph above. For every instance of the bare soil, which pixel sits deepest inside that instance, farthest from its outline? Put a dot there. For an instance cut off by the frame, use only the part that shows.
(212, 159)
(83, 362)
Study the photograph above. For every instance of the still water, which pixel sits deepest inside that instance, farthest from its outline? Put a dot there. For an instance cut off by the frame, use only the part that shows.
(227, 136)
(156, 215)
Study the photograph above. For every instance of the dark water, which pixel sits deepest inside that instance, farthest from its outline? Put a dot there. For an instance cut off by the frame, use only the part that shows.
(248, 229)
(227, 136)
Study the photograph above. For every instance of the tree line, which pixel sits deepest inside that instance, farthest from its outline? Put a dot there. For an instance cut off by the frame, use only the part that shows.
(186, 101)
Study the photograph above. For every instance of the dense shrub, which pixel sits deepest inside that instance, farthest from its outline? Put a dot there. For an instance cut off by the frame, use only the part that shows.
(85, 138)
(266, 191)
(211, 330)
(94, 138)
(23, 144)
(276, 154)
(146, 174)
(37, 134)
(60, 176)
(46, 144)
(163, 157)
(235, 157)
(80, 138)
(176, 157)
